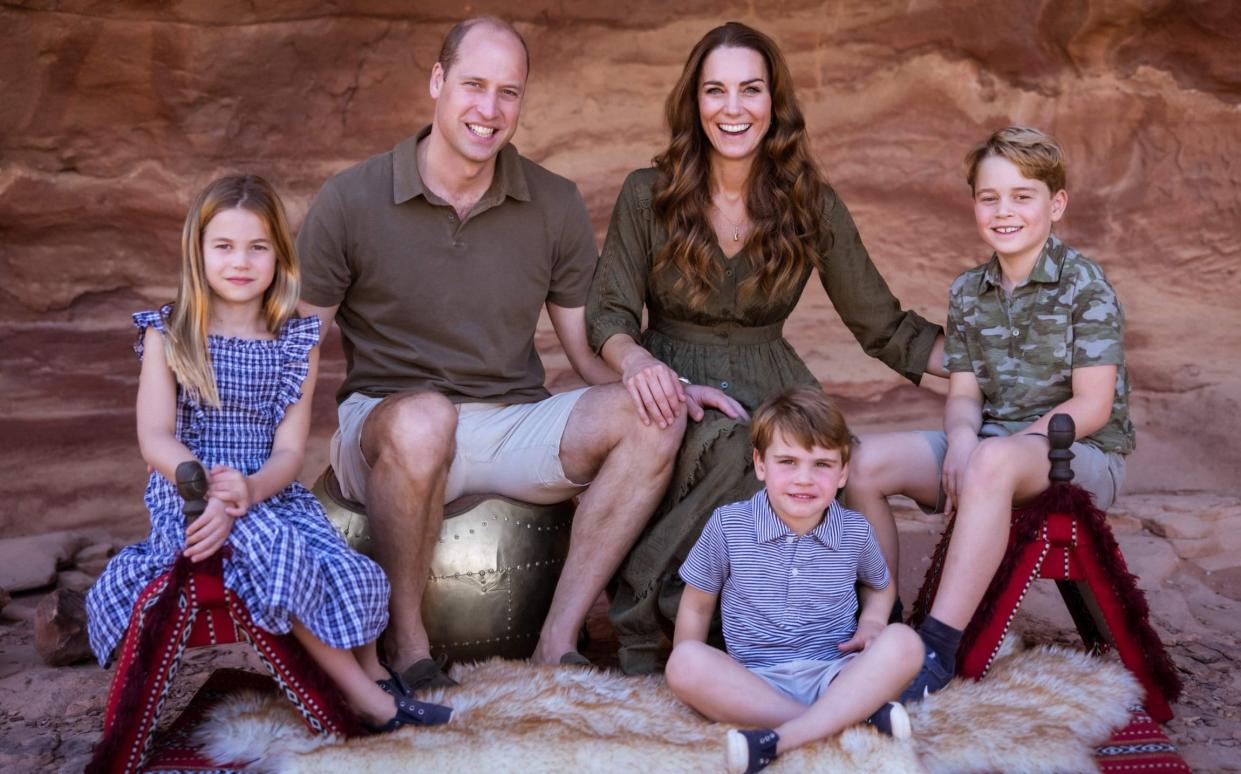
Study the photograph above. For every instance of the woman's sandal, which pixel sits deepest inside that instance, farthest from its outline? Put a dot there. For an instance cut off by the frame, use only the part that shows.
(411, 712)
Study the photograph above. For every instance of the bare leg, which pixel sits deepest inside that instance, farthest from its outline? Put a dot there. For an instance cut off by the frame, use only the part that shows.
(872, 679)
(368, 658)
(1000, 472)
(723, 690)
(366, 698)
(409, 441)
(630, 464)
(890, 464)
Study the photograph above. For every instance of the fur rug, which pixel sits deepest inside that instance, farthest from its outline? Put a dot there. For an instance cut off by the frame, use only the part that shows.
(1040, 710)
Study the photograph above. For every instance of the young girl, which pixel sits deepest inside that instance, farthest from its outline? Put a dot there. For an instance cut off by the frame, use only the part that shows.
(227, 377)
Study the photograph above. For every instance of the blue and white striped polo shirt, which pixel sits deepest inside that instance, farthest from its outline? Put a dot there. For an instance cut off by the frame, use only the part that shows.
(785, 597)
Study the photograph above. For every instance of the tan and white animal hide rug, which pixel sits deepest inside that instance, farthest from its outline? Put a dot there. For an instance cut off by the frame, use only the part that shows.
(1040, 710)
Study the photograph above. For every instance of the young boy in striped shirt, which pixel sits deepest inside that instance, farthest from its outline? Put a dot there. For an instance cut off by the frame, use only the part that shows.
(784, 566)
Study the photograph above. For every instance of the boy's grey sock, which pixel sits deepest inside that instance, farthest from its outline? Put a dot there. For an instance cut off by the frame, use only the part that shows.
(941, 639)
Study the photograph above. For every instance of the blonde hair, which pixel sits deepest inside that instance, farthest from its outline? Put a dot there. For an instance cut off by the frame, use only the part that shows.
(185, 342)
(803, 415)
(1035, 153)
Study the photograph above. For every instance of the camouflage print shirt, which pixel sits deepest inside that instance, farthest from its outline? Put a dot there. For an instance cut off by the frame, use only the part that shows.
(1023, 348)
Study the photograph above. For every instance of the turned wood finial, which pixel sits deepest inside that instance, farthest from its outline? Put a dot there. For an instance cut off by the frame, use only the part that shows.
(192, 486)
(1061, 433)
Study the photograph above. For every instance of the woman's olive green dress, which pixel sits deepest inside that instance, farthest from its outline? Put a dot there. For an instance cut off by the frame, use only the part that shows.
(740, 350)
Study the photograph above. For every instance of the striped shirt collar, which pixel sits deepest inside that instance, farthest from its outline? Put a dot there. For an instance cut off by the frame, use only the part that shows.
(769, 528)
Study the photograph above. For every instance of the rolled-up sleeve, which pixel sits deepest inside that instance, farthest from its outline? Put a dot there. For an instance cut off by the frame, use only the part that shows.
(618, 290)
(901, 339)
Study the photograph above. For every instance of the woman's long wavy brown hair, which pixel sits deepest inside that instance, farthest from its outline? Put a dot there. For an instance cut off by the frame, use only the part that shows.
(785, 193)
(185, 344)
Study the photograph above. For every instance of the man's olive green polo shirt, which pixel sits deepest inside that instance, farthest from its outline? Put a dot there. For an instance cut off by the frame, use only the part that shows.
(428, 300)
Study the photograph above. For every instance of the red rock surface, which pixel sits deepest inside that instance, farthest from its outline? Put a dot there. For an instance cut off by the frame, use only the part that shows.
(114, 114)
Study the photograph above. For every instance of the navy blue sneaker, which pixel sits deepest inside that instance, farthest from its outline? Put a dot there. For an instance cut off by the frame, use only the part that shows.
(891, 720)
(410, 712)
(395, 685)
(750, 751)
(933, 676)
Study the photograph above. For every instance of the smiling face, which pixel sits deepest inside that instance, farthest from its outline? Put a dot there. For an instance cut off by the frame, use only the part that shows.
(801, 482)
(238, 257)
(478, 99)
(734, 102)
(1014, 213)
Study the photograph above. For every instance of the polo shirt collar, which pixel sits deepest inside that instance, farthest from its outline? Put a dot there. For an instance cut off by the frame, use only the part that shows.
(769, 528)
(1046, 268)
(509, 180)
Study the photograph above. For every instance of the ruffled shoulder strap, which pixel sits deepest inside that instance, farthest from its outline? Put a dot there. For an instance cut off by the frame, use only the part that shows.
(149, 319)
(298, 336)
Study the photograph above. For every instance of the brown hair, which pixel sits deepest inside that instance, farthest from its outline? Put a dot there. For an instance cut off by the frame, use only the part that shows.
(804, 415)
(452, 41)
(785, 192)
(185, 344)
(1035, 153)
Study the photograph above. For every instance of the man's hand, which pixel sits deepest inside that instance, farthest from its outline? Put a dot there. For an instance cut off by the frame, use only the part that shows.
(208, 532)
(866, 631)
(233, 487)
(700, 396)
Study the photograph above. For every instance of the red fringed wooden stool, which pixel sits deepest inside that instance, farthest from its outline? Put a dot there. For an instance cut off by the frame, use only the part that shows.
(1062, 536)
(189, 607)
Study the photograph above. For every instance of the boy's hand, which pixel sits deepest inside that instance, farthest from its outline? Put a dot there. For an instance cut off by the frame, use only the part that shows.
(700, 396)
(960, 450)
(232, 486)
(209, 531)
(866, 631)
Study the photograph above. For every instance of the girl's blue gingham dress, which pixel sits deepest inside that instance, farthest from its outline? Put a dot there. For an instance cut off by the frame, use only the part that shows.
(288, 561)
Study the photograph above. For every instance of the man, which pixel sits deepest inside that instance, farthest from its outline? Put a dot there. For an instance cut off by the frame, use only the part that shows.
(435, 260)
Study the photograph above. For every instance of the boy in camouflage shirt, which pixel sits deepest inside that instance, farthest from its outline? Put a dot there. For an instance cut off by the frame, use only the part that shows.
(1036, 330)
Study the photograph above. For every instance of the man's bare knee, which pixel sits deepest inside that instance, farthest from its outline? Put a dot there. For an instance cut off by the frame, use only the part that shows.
(413, 431)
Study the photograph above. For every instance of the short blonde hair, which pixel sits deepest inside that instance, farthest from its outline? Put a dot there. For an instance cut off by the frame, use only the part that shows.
(804, 415)
(1035, 153)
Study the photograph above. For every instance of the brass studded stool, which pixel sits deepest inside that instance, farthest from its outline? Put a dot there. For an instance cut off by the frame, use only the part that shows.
(493, 574)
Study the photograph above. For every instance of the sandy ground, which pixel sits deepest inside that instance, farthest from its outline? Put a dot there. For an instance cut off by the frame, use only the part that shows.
(51, 716)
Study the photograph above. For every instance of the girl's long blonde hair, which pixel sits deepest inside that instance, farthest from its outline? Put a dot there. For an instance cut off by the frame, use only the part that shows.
(185, 344)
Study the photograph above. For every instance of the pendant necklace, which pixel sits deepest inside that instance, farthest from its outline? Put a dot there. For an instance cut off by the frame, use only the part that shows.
(736, 226)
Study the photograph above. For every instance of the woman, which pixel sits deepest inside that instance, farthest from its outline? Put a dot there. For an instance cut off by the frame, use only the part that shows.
(718, 241)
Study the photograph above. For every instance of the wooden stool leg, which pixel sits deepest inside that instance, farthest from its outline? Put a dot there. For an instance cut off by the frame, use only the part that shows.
(1110, 619)
(1081, 604)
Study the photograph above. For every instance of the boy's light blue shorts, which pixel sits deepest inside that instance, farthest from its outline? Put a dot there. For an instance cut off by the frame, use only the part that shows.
(803, 680)
(1098, 472)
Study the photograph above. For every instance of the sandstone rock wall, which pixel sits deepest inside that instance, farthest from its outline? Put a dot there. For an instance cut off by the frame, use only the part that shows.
(114, 114)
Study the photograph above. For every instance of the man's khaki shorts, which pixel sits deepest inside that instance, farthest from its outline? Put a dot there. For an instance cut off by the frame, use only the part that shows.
(1098, 472)
(507, 449)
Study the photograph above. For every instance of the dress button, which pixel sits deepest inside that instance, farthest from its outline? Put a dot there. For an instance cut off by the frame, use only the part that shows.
(793, 572)
(723, 385)
(1016, 331)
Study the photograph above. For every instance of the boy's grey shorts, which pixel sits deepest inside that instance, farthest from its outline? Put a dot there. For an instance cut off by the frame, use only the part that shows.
(1098, 472)
(803, 680)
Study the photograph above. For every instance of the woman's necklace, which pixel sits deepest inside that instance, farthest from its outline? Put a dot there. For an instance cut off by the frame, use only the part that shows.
(735, 224)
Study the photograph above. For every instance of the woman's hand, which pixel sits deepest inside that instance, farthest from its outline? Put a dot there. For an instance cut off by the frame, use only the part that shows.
(700, 396)
(233, 487)
(960, 449)
(208, 532)
(657, 393)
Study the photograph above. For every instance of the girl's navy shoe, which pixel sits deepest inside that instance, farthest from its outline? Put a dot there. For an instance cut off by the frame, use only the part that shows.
(411, 712)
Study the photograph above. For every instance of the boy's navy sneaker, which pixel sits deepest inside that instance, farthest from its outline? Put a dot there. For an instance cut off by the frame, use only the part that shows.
(933, 676)
(891, 720)
(750, 751)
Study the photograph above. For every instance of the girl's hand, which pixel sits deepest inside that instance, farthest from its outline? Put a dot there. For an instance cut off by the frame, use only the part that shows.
(657, 393)
(208, 532)
(866, 631)
(233, 487)
(960, 450)
(700, 396)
